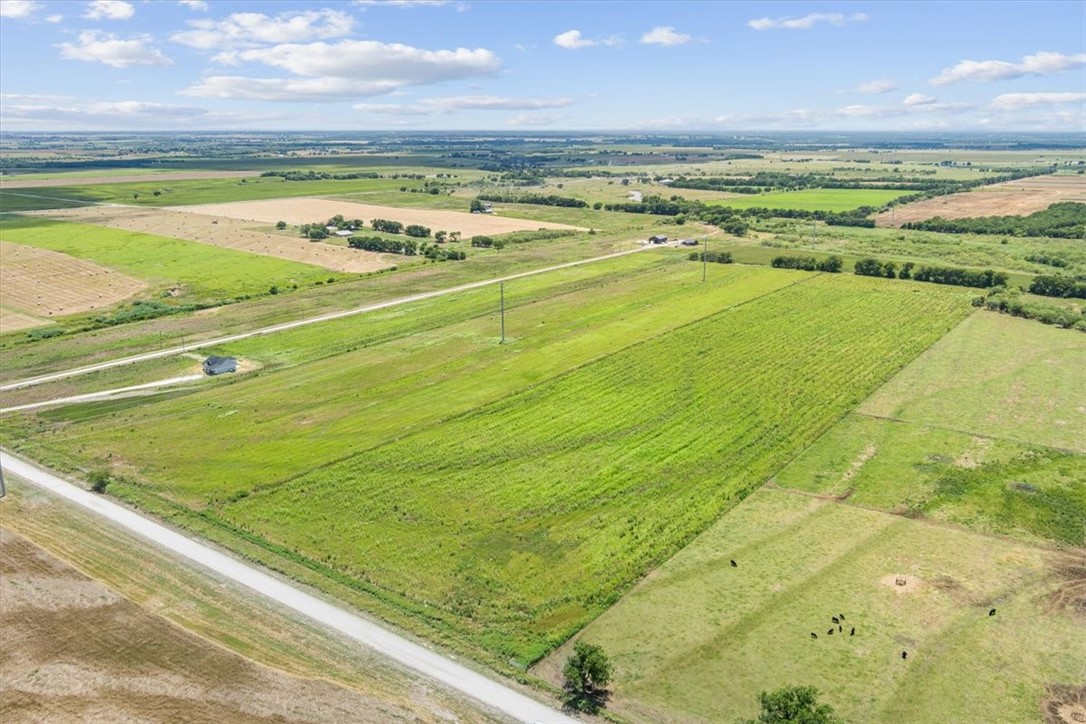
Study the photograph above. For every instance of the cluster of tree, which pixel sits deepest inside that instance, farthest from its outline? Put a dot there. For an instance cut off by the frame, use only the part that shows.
(1047, 259)
(319, 230)
(936, 275)
(417, 231)
(383, 246)
(653, 205)
(487, 242)
(1058, 286)
(830, 264)
(537, 199)
(1007, 301)
(442, 236)
(718, 215)
(782, 180)
(796, 704)
(440, 253)
(389, 227)
(1066, 220)
(319, 175)
(717, 257)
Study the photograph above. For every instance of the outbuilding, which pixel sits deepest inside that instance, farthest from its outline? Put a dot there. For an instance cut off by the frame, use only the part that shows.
(219, 365)
(689, 242)
(658, 239)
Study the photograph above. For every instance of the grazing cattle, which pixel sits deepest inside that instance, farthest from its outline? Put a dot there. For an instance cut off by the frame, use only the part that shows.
(852, 632)
(992, 612)
(839, 628)
(834, 619)
(905, 654)
(841, 616)
(830, 632)
(734, 564)
(814, 635)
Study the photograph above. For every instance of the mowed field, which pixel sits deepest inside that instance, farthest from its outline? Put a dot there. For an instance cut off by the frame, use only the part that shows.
(308, 210)
(31, 181)
(1013, 198)
(808, 199)
(544, 476)
(226, 232)
(198, 272)
(146, 639)
(917, 496)
(40, 283)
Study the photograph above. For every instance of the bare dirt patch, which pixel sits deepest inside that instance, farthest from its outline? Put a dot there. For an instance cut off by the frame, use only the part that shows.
(901, 583)
(1069, 595)
(1064, 704)
(29, 182)
(231, 233)
(1013, 198)
(76, 651)
(306, 210)
(47, 283)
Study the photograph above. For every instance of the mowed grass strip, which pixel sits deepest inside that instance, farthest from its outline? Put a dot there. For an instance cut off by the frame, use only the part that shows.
(205, 272)
(999, 376)
(699, 639)
(522, 520)
(354, 384)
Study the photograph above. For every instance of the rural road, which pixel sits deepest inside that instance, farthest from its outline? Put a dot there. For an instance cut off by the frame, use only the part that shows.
(30, 382)
(105, 394)
(412, 655)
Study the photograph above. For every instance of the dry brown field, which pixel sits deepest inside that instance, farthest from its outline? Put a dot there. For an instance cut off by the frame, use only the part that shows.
(74, 650)
(43, 283)
(30, 182)
(12, 321)
(1013, 198)
(306, 210)
(224, 231)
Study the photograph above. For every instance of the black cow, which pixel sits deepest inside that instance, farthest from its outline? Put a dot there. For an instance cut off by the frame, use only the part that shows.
(905, 655)
(852, 632)
(734, 564)
(814, 635)
(992, 612)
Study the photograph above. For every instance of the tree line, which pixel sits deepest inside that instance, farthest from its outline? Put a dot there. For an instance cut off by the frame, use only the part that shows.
(537, 199)
(955, 276)
(831, 264)
(1065, 220)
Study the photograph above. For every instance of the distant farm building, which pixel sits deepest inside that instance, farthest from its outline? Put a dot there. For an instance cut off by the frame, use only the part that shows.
(344, 232)
(488, 209)
(689, 242)
(658, 239)
(220, 365)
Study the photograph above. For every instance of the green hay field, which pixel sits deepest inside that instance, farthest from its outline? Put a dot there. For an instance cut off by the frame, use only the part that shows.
(810, 199)
(546, 475)
(204, 272)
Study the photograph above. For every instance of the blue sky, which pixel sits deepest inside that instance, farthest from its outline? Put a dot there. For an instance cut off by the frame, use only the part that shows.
(467, 65)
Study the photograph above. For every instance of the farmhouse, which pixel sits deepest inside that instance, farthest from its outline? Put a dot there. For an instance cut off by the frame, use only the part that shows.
(219, 365)
(689, 242)
(657, 239)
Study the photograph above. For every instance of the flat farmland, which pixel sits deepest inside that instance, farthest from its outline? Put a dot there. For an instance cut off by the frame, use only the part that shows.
(593, 453)
(97, 178)
(698, 639)
(307, 210)
(229, 233)
(44, 283)
(196, 271)
(809, 199)
(1012, 198)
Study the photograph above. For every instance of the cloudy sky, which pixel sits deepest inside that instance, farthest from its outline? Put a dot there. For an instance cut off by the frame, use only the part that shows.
(466, 65)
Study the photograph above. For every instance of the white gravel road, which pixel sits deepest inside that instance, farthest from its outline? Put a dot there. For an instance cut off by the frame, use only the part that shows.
(106, 394)
(416, 657)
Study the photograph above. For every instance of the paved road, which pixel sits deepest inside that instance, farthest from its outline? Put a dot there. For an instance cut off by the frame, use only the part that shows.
(412, 655)
(106, 394)
(30, 382)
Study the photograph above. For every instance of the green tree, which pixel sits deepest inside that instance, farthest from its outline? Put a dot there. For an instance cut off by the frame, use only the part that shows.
(99, 480)
(794, 704)
(280, 225)
(587, 673)
(476, 205)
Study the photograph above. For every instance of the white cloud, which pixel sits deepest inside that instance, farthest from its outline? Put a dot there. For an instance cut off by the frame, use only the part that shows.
(917, 99)
(200, 5)
(874, 87)
(534, 119)
(69, 110)
(18, 8)
(1042, 63)
(904, 109)
(247, 30)
(410, 3)
(664, 35)
(440, 106)
(1018, 101)
(54, 18)
(806, 22)
(350, 68)
(94, 46)
(573, 40)
(109, 10)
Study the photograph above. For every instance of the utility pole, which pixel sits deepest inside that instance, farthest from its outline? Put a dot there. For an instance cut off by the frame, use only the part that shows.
(704, 258)
(501, 286)
(3, 488)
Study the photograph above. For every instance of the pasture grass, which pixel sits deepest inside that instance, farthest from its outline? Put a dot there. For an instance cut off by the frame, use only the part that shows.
(698, 639)
(996, 376)
(203, 271)
(808, 199)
